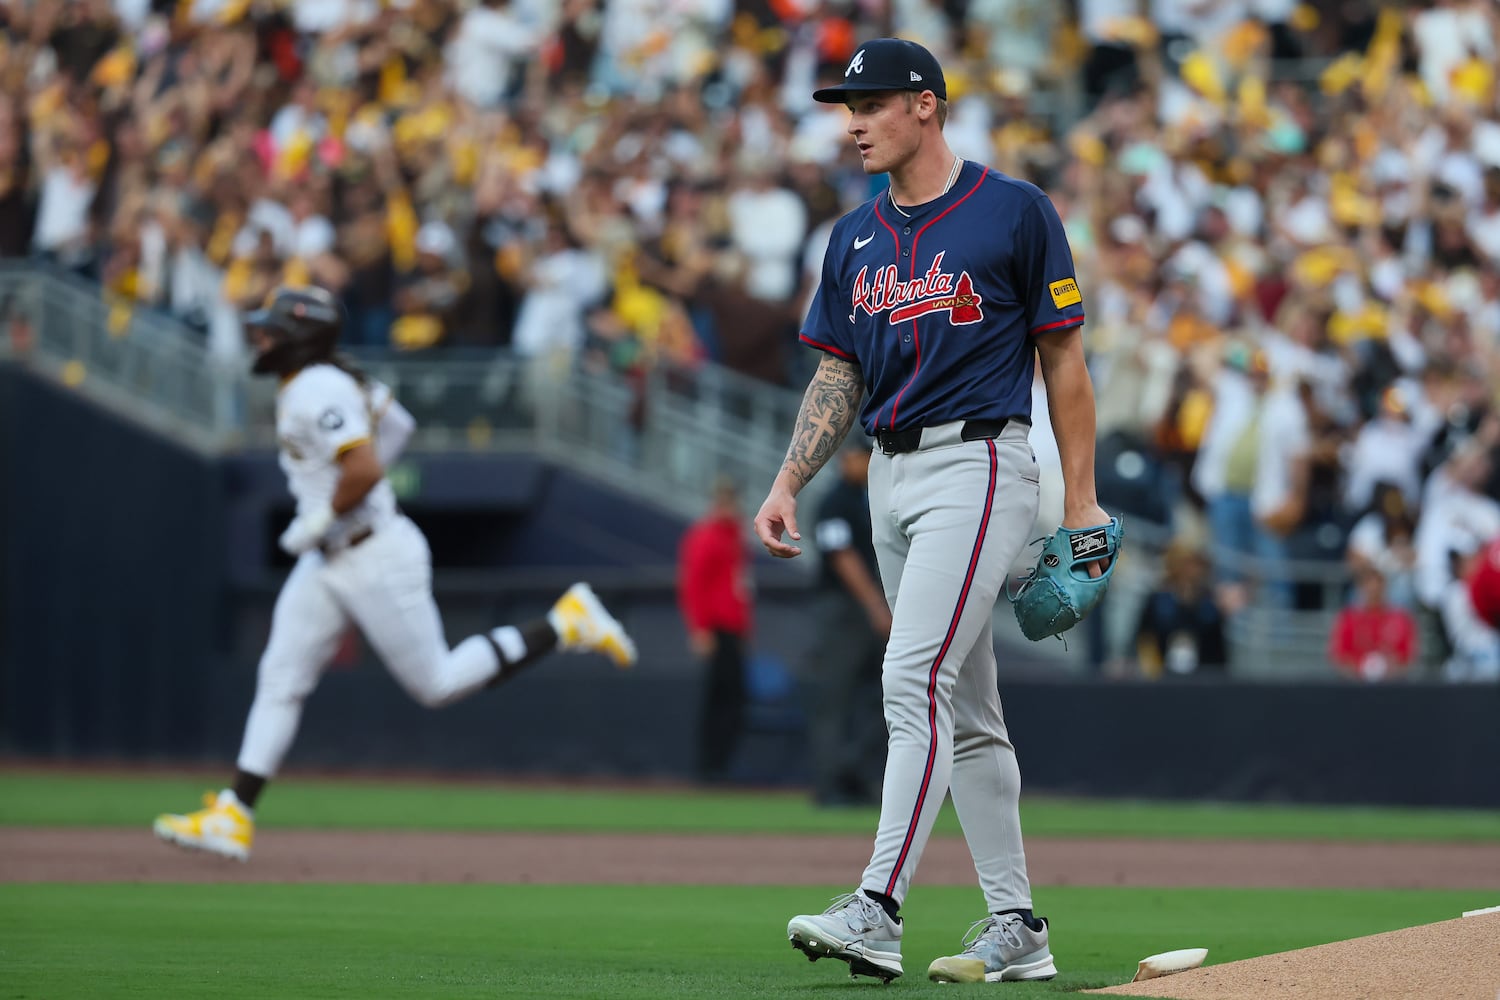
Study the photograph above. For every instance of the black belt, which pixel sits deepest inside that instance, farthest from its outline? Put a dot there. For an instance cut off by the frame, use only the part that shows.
(359, 535)
(910, 439)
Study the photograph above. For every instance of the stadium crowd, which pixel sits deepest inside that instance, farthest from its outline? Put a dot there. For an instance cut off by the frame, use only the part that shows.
(1286, 219)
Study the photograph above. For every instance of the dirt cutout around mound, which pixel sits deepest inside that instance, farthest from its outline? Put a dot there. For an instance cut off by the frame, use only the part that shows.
(1453, 960)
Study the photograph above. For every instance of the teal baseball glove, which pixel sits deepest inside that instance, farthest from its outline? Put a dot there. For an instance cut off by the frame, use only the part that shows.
(1059, 593)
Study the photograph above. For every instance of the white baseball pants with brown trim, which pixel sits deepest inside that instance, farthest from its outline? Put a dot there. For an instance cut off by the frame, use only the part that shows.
(949, 519)
(384, 586)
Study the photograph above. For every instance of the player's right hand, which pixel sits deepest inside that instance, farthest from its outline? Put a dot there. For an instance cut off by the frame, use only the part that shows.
(777, 515)
(306, 530)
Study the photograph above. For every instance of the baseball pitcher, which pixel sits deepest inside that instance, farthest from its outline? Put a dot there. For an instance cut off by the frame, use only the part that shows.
(360, 561)
(937, 299)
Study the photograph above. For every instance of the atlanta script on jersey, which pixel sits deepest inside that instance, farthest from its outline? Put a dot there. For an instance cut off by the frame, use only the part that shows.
(938, 306)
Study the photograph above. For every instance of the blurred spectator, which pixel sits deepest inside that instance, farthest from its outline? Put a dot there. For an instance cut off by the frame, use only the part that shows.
(64, 232)
(1371, 639)
(714, 593)
(1382, 540)
(1181, 629)
(16, 200)
(767, 224)
(1484, 584)
(1455, 512)
(1387, 449)
(1262, 450)
(429, 295)
(484, 60)
(1113, 32)
(1473, 643)
(846, 723)
(562, 284)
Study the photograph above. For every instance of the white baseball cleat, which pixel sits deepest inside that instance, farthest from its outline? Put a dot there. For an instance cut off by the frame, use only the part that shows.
(855, 929)
(998, 949)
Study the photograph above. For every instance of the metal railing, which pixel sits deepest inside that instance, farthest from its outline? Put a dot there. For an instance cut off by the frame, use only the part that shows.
(132, 361)
(668, 438)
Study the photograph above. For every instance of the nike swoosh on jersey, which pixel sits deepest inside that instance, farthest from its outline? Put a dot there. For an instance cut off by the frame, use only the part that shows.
(860, 244)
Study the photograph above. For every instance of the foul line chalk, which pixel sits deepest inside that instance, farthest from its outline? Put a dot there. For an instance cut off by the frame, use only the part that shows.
(1487, 909)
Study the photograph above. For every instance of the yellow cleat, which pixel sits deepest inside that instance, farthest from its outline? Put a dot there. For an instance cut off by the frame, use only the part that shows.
(583, 625)
(224, 827)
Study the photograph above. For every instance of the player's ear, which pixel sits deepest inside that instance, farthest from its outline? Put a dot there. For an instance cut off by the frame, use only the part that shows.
(927, 104)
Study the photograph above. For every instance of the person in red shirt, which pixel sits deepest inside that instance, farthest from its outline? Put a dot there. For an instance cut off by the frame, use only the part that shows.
(1484, 584)
(714, 594)
(1372, 640)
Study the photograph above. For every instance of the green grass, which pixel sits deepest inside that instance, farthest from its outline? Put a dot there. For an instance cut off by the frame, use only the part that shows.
(668, 943)
(48, 799)
(529, 941)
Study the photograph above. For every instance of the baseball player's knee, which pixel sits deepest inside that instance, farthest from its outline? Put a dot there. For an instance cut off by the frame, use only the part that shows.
(432, 690)
(432, 697)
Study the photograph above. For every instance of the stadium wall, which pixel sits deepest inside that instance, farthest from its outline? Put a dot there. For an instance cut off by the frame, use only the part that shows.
(113, 587)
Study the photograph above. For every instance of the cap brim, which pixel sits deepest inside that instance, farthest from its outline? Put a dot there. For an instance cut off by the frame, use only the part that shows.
(840, 93)
(258, 317)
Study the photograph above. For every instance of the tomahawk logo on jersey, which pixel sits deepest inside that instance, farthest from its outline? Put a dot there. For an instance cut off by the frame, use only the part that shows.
(915, 297)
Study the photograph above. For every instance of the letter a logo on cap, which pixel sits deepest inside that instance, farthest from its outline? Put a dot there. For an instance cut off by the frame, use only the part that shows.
(857, 64)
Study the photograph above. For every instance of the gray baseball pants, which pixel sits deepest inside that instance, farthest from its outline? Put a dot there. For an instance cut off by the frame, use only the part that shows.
(949, 519)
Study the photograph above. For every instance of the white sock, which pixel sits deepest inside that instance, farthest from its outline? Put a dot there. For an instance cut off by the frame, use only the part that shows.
(228, 798)
(559, 626)
(512, 645)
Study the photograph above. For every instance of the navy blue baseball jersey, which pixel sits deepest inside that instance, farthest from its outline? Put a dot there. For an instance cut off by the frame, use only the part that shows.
(938, 306)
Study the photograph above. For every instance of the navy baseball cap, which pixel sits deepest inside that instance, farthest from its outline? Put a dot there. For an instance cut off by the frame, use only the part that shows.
(888, 64)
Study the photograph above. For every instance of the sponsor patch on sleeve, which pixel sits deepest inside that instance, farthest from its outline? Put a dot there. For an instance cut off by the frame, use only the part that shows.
(1065, 293)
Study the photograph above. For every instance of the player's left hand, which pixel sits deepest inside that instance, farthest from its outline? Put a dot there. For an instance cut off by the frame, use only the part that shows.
(1088, 516)
(307, 530)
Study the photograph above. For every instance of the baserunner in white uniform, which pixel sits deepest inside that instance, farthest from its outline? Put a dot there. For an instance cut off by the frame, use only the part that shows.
(360, 561)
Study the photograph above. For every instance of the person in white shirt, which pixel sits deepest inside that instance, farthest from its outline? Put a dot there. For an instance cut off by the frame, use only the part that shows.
(1387, 449)
(360, 561)
(1447, 33)
(768, 224)
(492, 40)
(62, 229)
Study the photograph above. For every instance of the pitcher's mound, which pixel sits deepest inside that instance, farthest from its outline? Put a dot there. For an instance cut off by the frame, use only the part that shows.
(1455, 960)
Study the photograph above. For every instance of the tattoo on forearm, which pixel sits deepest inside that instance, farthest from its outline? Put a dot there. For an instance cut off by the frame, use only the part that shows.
(829, 408)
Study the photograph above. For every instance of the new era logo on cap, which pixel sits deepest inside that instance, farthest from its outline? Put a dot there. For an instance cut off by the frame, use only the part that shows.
(888, 64)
